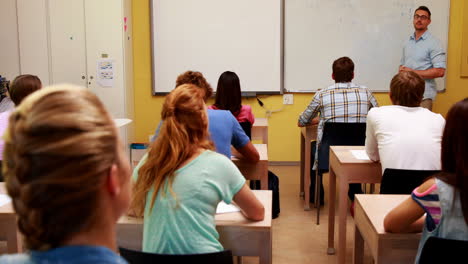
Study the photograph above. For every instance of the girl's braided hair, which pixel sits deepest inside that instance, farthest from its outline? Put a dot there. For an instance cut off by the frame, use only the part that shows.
(59, 145)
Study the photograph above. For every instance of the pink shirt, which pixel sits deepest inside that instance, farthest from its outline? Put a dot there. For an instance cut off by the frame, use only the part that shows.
(245, 114)
(3, 127)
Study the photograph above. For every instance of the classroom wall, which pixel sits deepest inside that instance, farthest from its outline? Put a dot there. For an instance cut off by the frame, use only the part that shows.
(284, 144)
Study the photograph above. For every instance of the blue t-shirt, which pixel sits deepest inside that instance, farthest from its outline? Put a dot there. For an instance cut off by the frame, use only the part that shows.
(224, 131)
(66, 255)
(185, 223)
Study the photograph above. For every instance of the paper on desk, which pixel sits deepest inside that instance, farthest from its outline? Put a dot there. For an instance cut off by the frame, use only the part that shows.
(360, 154)
(226, 208)
(4, 199)
(120, 122)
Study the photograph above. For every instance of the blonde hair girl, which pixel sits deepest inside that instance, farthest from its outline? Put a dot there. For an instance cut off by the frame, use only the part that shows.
(67, 175)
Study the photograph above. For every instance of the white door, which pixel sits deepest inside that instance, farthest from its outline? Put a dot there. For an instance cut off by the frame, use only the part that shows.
(9, 53)
(33, 38)
(104, 41)
(67, 41)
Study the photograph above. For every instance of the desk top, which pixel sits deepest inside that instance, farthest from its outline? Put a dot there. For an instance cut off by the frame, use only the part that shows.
(262, 151)
(344, 155)
(260, 122)
(230, 219)
(227, 219)
(376, 207)
(309, 132)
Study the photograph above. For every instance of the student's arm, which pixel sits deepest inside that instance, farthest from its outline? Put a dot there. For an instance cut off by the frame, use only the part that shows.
(408, 217)
(311, 111)
(250, 206)
(241, 142)
(248, 152)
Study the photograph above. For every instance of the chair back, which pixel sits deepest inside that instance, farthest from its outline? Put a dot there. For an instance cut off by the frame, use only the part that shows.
(134, 257)
(396, 181)
(339, 134)
(247, 127)
(442, 250)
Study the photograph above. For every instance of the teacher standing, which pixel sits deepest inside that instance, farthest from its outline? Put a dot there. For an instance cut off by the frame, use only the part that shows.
(424, 55)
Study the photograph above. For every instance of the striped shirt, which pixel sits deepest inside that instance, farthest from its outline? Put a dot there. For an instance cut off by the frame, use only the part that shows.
(429, 201)
(340, 102)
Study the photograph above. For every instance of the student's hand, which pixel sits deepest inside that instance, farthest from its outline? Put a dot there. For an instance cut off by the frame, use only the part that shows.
(315, 121)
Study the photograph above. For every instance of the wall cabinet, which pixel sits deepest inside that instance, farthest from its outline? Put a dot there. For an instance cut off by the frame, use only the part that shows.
(66, 41)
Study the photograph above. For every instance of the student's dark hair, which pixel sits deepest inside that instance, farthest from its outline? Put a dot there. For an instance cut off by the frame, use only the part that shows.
(407, 89)
(22, 86)
(454, 153)
(228, 93)
(197, 79)
(424, 8)
(343, 70)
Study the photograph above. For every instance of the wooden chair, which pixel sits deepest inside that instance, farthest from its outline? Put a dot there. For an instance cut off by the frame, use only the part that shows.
(395, 181)
(442, 250)
(337, 134)
(139, 257)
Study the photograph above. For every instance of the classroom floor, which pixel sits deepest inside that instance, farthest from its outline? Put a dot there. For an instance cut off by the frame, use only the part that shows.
(296, 237)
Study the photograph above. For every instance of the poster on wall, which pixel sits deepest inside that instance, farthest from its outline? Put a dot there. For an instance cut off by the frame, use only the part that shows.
(105, 72)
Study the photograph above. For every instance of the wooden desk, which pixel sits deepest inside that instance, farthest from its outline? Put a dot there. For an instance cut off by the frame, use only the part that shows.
(308, 133)
(370, 211)
(348, 169)
(8, 228)
(236, 233)
(260, 130)
(255, 171)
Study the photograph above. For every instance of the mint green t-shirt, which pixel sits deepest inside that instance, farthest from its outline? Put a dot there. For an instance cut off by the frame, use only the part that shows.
(185, 224)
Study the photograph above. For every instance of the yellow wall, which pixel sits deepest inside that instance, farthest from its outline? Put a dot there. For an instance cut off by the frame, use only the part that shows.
(283, 139)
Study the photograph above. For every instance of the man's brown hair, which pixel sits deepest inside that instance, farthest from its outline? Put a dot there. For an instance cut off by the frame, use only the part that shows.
(343, 70)
(407, 89)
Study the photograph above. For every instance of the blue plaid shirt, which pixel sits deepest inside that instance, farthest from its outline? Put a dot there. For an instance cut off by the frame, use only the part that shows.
(340, 102)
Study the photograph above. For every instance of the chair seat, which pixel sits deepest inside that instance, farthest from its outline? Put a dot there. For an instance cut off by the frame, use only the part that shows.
(442, 250)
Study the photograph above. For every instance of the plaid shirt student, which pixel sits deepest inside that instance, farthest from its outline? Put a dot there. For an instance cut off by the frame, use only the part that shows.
(341, 102)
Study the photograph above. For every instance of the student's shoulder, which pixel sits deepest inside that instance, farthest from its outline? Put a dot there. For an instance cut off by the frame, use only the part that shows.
(380, 110)
(426, 186)
(246, 108)
(216, 159)
(436, 116)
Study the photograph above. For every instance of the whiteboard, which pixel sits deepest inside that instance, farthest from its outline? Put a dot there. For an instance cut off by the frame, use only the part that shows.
(370, 32)
(213, 36)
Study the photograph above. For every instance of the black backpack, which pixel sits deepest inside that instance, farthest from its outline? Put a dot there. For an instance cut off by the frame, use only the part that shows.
(273, 185)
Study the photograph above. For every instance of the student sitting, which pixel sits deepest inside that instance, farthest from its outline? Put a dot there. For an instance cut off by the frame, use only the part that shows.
(343, 101)
(181, 181)
(68, 177)
(228, 97)
(223, 127)
(443, 200)
(404, 135)
(21, 87)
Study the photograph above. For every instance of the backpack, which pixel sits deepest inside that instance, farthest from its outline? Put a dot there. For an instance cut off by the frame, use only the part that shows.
(273, 185)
